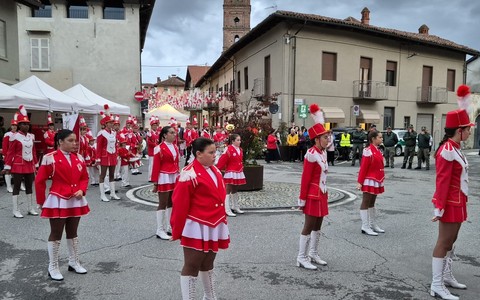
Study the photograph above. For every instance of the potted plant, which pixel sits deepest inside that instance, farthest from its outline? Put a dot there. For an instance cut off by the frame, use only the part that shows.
(250, 124)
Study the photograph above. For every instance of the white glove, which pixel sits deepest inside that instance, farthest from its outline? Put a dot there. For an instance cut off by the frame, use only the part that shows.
(301, 202)
(438, 213)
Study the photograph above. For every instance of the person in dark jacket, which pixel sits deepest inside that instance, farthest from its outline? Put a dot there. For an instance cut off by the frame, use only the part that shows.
(390, 140)
(423, 149)
(410, 139)
(358, 138)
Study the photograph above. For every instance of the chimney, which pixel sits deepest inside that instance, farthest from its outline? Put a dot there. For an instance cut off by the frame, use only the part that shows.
(365, 16)
(158, 79)
(423, 29)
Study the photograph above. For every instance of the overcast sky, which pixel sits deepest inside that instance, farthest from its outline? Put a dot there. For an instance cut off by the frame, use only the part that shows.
(189, 32)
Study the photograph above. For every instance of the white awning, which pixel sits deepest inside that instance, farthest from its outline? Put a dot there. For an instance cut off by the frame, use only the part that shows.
(333, 115)
(368, 116)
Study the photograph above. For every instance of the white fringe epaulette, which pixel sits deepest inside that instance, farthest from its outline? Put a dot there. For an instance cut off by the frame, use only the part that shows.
(48, 159)
(367, 152)
(448, 153)
(156, 150)
(188, 174)
(312, 155)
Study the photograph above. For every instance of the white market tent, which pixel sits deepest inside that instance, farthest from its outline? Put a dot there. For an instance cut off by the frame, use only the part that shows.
(165, 112)
(13, 98)
(83, 94)
(57, 101)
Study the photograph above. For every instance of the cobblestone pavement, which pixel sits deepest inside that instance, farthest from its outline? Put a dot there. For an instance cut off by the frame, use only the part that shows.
(274, 195)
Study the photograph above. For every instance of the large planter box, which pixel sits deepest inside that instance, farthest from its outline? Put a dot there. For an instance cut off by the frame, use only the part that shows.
(254, 176)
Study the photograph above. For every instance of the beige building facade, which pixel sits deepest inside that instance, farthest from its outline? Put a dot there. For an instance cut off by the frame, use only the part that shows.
(356, 72)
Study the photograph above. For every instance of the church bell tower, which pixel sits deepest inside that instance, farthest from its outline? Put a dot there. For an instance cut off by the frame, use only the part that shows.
(236, 21)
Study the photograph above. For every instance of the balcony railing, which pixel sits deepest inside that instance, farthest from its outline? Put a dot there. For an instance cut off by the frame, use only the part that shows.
(210, 106)
(432, 94)
(368, 89)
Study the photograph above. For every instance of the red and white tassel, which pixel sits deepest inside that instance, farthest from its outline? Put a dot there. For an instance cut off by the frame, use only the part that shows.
(317, 114)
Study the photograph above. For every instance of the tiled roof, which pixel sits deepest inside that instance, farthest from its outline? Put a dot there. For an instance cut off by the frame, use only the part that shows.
(172, 81)
(349, 23)
(196, 72)
(31, 3)
(423, 38)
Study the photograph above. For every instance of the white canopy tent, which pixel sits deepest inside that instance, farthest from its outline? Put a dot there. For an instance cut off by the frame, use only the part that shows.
(165, 112)
(83, 94)
(13, 98)
(57, 101)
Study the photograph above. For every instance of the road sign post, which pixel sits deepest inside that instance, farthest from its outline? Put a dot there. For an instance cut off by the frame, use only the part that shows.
(302, 111)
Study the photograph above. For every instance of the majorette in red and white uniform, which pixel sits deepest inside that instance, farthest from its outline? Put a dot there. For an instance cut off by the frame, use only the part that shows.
(8, 135)
(106, 142)
(69, 175)
(198, 214)
(165, 166)
(89, 152)
(451, 191)
(189, 135)
(372, 174)
(49, 136)
(232, 162)
(82, 139)
(206, 130)
(21, 156)
(220, 137)
(152, 141)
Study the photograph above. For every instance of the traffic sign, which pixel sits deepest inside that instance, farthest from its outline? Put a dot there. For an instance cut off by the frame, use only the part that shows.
(138, 96)
(356, 110)
(303, 111)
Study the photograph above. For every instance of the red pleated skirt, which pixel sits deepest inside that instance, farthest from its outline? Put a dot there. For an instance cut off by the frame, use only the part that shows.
(316, 208)
(454, 214)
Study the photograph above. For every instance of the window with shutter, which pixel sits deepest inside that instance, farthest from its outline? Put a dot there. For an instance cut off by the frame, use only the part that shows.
(451, 80)
(40, 48)
(329, 66)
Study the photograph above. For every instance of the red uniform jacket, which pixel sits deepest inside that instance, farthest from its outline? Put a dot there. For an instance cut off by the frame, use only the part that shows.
(90, 156)
(49, 138)
(83, 145)
(372, 165)
(231, 161)
(163, 161)
(21, 156)
(271, 142)
(314, 176)
(6, 142)
(219, 137)
(189, 136)
(152, 141)
(196, 197)
(125, 156)
(452, 177)
(206, 134)
(66, 179)
(135, 140)
(103, 149)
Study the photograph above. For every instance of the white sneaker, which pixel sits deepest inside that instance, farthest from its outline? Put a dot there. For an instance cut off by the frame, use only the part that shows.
(162, 235)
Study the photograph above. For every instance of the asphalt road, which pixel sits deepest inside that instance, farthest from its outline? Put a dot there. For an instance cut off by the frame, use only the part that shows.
(125, 261)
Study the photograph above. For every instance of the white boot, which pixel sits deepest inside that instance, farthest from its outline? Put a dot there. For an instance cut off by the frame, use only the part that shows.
(168, 214)
(112, 191)
(438, 287)
(448, 277)
(53, 253)
(31, 205)
(16, 212)
(227, 207)
(189, 287)
(302, 258)
(372, 213)
(161, 234)
(207, 278)
(8, 181)
(102, 193)
(365, 223)
(22, 186)
(313, 253)
(235, 206)
(73, 261)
